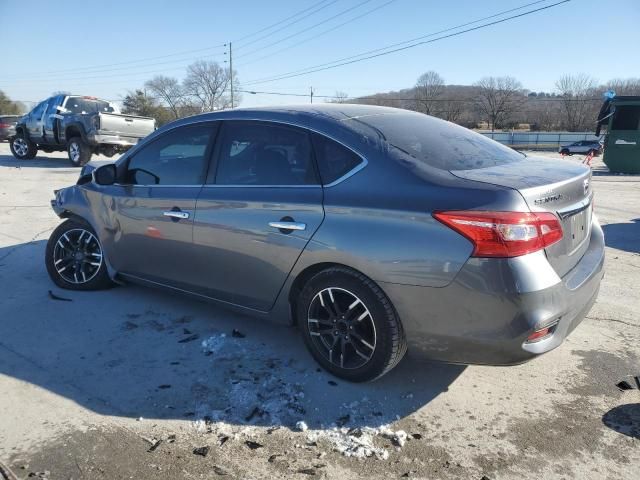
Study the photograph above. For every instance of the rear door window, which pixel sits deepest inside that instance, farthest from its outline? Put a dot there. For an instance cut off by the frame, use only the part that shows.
(178, 157)
(264, 154)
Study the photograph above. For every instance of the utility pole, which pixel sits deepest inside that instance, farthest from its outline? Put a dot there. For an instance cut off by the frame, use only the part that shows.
(231, 71)
(311, 93)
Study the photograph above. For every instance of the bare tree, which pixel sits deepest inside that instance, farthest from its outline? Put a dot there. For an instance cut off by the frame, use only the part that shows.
(208, 83)
(580, 109)
(623, 86)
(340, 97)
(168, 91)
(497, 99)
(429, 87)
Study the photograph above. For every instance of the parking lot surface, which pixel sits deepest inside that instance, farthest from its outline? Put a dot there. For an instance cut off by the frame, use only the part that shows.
(137, 383)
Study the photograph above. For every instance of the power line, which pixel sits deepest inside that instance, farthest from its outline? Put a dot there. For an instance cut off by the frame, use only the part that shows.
(75, 70)
(306, 29)
(322, 7)
(303, 41)
(386, 50)
(411, 99)
(239, 40)
(104, 67)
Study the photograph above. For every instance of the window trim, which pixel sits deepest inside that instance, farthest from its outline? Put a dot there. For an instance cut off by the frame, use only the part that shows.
(215, 124)
(308, 130)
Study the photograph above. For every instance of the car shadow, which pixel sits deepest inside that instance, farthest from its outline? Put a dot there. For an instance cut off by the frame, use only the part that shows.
(41, 161)
(136, 352)
(623, 236)
(624, 419)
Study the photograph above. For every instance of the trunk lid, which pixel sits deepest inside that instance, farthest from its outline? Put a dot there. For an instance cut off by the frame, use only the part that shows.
(126, 125)
(558, 186)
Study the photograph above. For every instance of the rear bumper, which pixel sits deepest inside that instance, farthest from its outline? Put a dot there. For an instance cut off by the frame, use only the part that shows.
(115, 140)
(486, 314)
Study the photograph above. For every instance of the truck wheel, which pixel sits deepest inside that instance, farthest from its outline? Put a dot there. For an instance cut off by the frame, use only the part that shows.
(22, 148)
(79, 152)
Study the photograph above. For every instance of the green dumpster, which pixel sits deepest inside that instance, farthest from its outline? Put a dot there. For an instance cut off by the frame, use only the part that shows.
(622, 142)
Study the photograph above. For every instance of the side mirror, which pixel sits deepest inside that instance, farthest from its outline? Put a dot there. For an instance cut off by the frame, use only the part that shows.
(105, 174)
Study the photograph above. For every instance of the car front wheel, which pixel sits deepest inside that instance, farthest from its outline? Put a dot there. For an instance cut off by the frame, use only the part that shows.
(74, 258)
(349, 325)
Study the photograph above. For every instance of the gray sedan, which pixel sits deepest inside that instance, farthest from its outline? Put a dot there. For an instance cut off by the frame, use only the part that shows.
(374, 230)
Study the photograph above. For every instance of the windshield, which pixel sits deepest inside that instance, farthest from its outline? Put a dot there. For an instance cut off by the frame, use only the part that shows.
(437, 143)
(87, 105)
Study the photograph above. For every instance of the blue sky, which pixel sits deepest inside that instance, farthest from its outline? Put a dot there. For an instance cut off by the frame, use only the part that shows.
(591, 36)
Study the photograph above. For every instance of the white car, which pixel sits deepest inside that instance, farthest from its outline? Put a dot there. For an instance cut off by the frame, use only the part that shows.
(584, 146)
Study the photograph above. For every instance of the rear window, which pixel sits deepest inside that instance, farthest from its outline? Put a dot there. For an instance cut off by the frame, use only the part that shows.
(435, 142)
(86, 105)
(9, 119)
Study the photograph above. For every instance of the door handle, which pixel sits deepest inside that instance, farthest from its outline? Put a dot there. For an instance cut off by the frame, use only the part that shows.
(176, 214)
(288, 225)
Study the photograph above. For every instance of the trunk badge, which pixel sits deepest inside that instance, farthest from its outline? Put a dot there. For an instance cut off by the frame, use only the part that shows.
(585, 185)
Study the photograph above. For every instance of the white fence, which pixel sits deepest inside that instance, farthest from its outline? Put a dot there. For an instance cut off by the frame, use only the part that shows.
(539, 140)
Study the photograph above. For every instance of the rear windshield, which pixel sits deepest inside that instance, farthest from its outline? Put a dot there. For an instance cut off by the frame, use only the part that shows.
(435, 142)
(87, 105)
(9, 119)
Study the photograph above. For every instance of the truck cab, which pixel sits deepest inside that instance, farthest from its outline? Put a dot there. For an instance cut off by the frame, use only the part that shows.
(82, 125)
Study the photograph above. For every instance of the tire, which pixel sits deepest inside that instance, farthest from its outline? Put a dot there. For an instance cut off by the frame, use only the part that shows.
(564, 151)
(365, 318)
(78, 151)
(22, 148)
(72, 261)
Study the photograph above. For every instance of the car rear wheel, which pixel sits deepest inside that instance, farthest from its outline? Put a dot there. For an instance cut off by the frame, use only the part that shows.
(349, 325)
(565, 151)
(74, 258)
(22, 148)
(79, 152)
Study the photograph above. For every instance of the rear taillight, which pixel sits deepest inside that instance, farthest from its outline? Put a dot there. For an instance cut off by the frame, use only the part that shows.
(504, 234)
(4, 125)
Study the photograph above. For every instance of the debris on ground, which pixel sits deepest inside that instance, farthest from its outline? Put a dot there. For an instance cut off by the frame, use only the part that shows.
(164, 386)
(190, 338)
(202, 451)
(237, 334)
(220, 470)
(154, 446)
(624, 385)
(301, 426)
(53, 296)
(253, 445)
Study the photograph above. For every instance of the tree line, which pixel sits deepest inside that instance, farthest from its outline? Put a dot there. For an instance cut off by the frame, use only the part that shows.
(495, 103)
(501, 103)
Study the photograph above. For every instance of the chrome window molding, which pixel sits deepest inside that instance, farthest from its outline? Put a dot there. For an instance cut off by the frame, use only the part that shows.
(364, 162)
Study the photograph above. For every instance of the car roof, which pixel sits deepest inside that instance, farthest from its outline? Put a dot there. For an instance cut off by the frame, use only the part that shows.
(301, 114)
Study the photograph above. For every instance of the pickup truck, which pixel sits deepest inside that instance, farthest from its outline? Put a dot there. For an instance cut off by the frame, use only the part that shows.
(80, 125)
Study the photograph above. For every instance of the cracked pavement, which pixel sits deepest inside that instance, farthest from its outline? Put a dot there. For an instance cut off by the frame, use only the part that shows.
(109, 385)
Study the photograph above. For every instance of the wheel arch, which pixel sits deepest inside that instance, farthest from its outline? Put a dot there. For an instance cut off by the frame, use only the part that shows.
(302, 277)
(74, 130)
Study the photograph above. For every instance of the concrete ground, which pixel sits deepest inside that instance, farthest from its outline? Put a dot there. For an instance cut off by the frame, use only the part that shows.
(135, 383)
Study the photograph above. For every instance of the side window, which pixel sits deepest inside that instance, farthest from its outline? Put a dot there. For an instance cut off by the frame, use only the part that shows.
(176, 158)
(263, 153)
(36, 113)
(334, 160)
